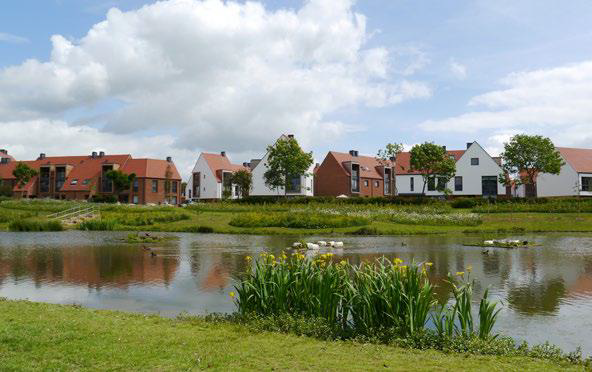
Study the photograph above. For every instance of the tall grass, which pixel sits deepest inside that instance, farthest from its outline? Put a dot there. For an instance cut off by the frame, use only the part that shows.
(357, 299)
(145, 219)
(97, 225)
(35, 225)
(296, 220)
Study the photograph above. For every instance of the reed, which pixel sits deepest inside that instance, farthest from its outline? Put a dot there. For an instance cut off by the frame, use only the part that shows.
(362, 300)
(97, 225)
(296, 220)
(35, 225)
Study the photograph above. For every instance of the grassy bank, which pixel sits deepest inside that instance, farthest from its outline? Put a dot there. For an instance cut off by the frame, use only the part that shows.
(37, 336)
(317, 219)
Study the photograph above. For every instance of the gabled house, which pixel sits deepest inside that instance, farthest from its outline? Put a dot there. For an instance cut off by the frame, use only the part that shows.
(82, 177)
(477, 174)
(575, 178)
(351, 174)
(209, 178)
(299, 185)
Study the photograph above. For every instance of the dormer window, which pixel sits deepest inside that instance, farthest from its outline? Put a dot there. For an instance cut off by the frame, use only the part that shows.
(86, 181)
(74, 181)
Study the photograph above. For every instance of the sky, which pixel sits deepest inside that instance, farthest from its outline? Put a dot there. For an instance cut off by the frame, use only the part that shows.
(177, 77)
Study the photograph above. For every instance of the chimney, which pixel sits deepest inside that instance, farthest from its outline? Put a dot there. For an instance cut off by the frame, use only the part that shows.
(223, 153)
(469, 144)
(101, 154)
(444, 147)
(353, 152)
(290, 136)
(169, 159)
(245, 164)
(93, 155)
(41, 156)
(393, 159)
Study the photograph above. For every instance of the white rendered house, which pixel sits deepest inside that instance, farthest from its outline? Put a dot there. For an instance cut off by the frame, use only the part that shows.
(575, 178)
(477, 174)
(207, 178)
(301, 185)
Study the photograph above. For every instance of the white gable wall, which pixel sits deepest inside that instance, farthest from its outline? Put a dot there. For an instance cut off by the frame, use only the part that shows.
(210, 187)
(566, 183)
(471, 174)
(261, 189)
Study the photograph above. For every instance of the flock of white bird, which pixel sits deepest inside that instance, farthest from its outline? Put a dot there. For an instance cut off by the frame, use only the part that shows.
(318, 245)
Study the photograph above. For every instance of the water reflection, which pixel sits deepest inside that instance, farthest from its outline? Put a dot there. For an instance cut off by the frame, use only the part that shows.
(546, 291)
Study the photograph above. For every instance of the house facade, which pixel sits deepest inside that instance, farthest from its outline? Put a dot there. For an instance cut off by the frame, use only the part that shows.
(351, 174)
(300, 185)
(574, 179)
(477, 174)
(83, 177)
(209, 176)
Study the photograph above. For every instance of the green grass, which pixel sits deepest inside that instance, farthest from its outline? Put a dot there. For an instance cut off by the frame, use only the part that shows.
(36, 336)
(217, 217)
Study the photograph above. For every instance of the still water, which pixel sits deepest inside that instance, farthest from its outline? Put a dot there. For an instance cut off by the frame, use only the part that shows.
(546, 291)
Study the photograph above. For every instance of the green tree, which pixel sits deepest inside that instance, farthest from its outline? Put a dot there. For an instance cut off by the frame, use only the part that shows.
(285, 160)
(385, 156)
(23, 174)
(525, 156)
(433, 163)
(243, 179)
(121, 180)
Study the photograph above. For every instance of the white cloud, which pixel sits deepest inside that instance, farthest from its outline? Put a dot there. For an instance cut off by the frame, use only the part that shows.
(554, 102)
(409, 60)
(211, 75)
(13, 39)
(458, 70)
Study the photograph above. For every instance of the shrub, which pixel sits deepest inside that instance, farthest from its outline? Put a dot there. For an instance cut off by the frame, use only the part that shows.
(35, 225)
(465, 203)
(296, 220)
(100, 198)
(97, 225)
(205, 229)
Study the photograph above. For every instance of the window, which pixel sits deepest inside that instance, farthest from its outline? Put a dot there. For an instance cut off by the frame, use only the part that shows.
(135, 199)
(154, 185)
(86, 181)
(74, 181)
(294, 184)
(376, 184)
(411, 184)
(586, 183)
(431, 184)
(60, 177)
(44, 180)
(387, 181)
(474, 161)
(441, 183)
(365, 183)
(174, 200)
(458, 183)
(174, 187)
(355, 178)
(235, 191)
(136, 185)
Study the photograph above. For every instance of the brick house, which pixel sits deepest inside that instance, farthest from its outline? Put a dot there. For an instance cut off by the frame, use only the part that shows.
(351, 174)
(82, 177)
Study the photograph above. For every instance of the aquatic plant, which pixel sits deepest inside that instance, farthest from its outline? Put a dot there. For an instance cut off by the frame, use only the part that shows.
(97, 225)
(35, 225)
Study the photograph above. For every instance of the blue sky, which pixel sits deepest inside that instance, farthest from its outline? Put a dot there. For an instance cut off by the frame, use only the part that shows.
(448, 72)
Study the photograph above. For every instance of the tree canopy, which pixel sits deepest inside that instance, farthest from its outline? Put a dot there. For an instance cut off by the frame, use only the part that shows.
(432, 162)
(243, 179)
(526, 156)
(23, 174)
(121, 180)
(285, 160)
(390, 151)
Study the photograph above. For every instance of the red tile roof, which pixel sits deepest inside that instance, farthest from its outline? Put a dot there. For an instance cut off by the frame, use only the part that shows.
(579, 159)
(369, 165)
(89, 168)
(404, 161)
(218, 163)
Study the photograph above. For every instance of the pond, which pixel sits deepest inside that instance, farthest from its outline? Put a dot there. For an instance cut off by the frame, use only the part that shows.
(546, 291)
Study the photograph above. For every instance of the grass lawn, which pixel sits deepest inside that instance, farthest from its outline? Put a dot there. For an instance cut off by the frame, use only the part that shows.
(35, 336)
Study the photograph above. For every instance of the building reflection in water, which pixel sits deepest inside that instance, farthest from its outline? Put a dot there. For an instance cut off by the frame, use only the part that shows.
(117, 266)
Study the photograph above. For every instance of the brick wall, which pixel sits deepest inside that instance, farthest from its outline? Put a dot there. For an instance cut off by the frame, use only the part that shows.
(330, 179)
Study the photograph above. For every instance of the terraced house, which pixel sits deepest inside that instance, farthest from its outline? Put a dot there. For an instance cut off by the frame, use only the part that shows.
(210, 177)
(83, 177)
(351, 174)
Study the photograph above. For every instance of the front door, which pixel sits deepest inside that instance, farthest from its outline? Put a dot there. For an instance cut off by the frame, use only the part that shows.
(489, 186)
